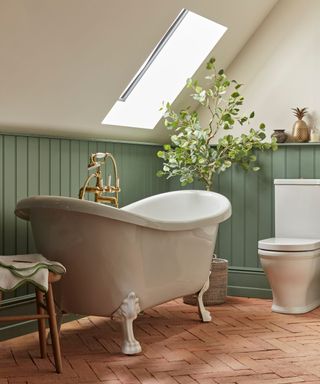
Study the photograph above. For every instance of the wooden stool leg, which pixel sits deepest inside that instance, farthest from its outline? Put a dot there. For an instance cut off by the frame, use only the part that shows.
(54, 329)
(41, 324)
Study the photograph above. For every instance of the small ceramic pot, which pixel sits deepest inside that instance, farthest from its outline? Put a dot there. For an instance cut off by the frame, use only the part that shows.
(280, 135)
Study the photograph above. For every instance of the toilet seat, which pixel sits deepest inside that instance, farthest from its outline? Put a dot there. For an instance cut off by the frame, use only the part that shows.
(278, 244)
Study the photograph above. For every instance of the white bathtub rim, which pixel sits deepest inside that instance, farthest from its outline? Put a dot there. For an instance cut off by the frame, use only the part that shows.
(25, 206)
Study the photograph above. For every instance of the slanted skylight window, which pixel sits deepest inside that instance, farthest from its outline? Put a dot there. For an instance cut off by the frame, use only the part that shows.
(163, 75)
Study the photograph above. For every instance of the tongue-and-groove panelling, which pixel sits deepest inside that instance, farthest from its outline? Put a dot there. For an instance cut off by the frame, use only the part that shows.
(37, 165)
(252, 197)
(46, 166)
(49, 166)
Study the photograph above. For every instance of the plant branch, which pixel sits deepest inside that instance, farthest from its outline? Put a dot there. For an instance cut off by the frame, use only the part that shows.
(191, 157)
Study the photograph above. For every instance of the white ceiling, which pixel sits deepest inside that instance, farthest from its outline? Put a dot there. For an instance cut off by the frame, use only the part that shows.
(64, 63)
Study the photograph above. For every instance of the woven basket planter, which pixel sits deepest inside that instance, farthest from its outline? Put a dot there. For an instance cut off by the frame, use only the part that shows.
(217, 291)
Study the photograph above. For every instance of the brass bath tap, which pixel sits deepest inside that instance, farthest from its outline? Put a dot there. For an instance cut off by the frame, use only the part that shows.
(95, 162)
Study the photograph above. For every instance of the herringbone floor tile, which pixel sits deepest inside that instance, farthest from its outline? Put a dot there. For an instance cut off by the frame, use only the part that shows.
(245, 343)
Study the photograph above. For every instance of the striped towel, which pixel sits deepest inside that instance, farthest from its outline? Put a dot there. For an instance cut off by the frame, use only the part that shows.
(33, 268)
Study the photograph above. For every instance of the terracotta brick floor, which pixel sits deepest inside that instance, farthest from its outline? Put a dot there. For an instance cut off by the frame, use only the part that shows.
(246, 343)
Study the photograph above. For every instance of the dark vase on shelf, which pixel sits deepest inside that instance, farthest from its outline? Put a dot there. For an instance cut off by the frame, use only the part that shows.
(279, 135)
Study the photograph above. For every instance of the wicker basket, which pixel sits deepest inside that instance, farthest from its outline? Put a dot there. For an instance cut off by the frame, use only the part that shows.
(217, 291)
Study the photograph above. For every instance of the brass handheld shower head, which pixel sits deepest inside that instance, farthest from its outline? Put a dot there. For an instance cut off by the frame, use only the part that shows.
(93, 163)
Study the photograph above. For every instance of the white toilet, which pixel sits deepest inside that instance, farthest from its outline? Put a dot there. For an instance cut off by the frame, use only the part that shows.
(291, 260)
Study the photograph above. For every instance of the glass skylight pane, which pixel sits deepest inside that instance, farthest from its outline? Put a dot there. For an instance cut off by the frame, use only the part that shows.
(178, 60)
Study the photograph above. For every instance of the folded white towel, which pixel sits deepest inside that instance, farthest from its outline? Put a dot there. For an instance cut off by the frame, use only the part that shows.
(33, 268)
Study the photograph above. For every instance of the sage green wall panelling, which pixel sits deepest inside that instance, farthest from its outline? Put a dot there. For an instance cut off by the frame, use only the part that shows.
(307, 165)
(293, 163)
(317, 164)
(9, 197)
(130, 178)
(21, 192)
(74, 168)
(279, 165)
(33, 180)
(65, 167)
(31, 165)
(238, 222)
(249, 282)
(225, 246)
(44, 166)
(264, 220)
(252, 198)
(9, 192)
(83, 164)
(160, 184)
(47, 166)
(216, 182)
(278, 172)
(54, 169)
(92, 149)
(251, 207)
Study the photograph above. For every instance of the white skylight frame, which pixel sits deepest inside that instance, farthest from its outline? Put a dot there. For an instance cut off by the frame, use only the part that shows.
(180, 52)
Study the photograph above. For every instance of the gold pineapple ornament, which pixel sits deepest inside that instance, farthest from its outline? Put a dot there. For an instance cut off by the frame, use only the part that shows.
(300, 131)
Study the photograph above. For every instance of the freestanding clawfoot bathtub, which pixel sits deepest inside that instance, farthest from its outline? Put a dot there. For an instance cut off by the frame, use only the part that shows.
(122, 261)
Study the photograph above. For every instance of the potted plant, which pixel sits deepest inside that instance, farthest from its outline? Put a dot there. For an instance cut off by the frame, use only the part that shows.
(191, 156)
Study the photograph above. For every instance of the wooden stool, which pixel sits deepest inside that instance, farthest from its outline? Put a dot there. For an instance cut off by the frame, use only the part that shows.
(45, 310)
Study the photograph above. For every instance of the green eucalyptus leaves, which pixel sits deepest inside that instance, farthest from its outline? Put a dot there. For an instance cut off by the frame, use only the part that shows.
(191, 156)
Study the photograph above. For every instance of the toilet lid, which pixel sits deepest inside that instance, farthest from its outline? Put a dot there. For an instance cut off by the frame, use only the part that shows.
(287, 244)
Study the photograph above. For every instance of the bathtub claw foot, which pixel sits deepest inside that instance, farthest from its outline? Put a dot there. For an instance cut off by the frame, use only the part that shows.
(131, 347)
(203, 313)
(128, 312)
